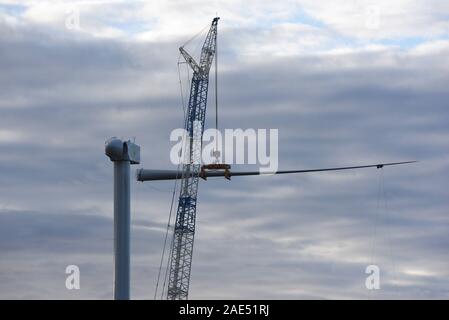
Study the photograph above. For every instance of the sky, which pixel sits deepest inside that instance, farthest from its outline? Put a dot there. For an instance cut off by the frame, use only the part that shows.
(344, 82)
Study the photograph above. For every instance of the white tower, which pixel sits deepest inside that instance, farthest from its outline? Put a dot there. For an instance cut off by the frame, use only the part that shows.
(123, 154)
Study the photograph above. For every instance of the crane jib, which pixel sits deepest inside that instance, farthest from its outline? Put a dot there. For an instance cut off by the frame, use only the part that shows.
(183, 235)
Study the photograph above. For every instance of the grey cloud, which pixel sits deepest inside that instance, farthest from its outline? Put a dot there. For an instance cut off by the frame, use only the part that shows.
(303, 236)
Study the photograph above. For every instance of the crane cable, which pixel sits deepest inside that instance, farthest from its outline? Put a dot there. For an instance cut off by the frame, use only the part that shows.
(166, 235)
(195, 36)
(172, 198)
(184, 137)
(216, 98)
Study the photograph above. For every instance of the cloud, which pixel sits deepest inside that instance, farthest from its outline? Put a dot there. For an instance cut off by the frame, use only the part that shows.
(292, 25)
(335, 102)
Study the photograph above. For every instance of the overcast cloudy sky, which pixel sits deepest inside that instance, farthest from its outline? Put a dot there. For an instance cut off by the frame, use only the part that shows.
(345, 82)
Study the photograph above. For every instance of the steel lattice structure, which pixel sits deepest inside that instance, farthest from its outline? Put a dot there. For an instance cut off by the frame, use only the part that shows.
(184, 230)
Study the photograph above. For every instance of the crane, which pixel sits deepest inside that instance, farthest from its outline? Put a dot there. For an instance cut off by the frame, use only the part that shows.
(180, 258)
(184, 229)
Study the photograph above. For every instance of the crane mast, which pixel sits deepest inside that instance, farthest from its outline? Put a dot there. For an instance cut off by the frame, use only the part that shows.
(184, 229)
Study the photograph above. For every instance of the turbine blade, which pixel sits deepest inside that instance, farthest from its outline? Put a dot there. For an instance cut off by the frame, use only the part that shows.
(152, 174)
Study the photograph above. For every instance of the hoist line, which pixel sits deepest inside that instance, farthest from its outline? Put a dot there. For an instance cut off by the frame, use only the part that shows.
(216, 97)
(183, 103)
(166, 236)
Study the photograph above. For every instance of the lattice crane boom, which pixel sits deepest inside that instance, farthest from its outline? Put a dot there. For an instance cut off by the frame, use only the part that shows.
(184, 229)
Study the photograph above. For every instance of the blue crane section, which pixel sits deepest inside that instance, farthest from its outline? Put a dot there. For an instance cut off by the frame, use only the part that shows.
(184, 230)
